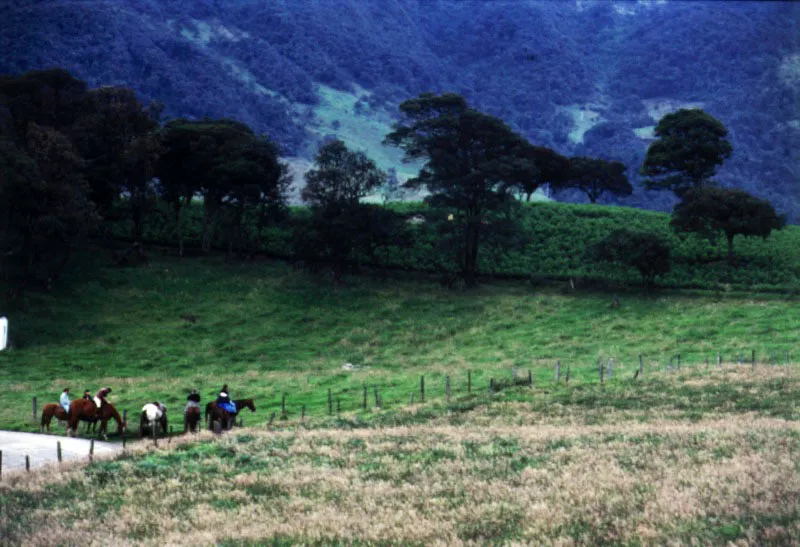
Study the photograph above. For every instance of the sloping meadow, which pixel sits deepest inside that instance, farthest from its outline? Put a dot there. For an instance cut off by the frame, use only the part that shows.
(500, 472)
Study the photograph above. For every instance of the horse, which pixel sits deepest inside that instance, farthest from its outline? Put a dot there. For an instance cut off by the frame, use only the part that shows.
(153, 416)
(224, 417)
(84, 409)
(191, 419)
(50, 411)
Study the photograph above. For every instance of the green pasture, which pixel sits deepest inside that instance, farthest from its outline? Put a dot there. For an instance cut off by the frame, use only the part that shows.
(267, 330)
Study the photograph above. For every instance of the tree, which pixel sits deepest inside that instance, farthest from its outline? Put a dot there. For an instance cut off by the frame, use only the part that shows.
(469, 159)
(708, 211)
(690, 144)
(595, 176)
(647, 252)
(341, 177)
(117, 137)
(228, 165)
(536, 166)
(342, 228)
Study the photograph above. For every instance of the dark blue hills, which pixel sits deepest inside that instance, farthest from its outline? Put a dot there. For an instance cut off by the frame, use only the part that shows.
(582, 77)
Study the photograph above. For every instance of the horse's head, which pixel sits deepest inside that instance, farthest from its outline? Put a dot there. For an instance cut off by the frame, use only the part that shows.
(248, 403)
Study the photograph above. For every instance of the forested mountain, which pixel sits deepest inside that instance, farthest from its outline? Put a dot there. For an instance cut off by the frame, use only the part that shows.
(583, 77)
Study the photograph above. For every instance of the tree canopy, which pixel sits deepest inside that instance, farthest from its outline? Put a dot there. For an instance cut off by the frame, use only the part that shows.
(708, 211)
(469, 159)
(690, 144)
(647, 252)
(595, 177)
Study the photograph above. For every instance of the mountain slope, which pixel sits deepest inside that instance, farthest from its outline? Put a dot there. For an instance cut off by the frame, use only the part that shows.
(583, 77)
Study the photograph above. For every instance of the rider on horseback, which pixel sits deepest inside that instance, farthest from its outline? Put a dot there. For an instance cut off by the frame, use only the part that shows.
(193, 401)
(224, 401)
(64, 400)
(100, 397)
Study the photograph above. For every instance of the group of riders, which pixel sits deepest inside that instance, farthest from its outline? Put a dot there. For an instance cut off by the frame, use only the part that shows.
(193, 400)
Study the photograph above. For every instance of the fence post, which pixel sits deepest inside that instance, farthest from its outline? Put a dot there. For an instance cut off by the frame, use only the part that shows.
(530, 378)
(641, 365)
(27, 463)
(740, 358)
(283, 407)
(513, 375)
(600, 364)
(491, 387)
(447, 388)
(558, 370)
(303, 414)
(469, 381)
(364, 400)
(35, 414)
(719, 360)
(1, 464)
(91, 451)
(411, 399)
(772, 359)
(377, 397)
(679, 361)
(610, 367)
(58, 450)
(753, 360)
(422, 389)
(330, 403)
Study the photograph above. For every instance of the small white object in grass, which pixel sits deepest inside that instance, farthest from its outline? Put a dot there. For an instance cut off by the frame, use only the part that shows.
(3, 333)
(351, 366)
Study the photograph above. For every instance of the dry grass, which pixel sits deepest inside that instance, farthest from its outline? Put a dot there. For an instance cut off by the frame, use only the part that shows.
(661, 482)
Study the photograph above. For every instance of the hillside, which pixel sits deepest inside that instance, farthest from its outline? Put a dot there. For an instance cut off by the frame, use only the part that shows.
(582, 77)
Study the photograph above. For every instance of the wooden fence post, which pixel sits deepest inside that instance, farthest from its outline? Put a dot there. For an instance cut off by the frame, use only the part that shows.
(753, 360)
(91, 451)
(330, 403)
(469, 381)
(27, 463)
(558, 370)
(447, 388)
(641, 365)
(530, 378)
(422, 389)
(679, 361)
(600, 364)
(610, 368)
(303, 414)
(58, 450)
(35, 414)
(377, 397)
(271, 419)
(283, 407)
(719, 360)
(364, 400)
(740, 358)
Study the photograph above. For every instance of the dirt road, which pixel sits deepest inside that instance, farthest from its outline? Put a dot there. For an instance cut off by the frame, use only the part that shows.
(42, 449)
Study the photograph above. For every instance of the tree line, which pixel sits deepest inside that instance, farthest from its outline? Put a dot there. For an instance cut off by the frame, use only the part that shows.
(77, 162)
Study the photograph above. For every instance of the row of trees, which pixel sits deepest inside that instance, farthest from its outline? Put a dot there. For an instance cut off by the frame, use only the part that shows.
(71, 157)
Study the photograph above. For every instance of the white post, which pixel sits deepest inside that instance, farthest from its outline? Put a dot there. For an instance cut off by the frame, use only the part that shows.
(3, 333)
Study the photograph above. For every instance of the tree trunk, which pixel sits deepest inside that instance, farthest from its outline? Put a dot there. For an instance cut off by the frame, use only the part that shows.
(178, 229)
(471, 235)
(730, 248)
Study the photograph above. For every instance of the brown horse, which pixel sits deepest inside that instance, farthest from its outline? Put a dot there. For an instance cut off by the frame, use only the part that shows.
(85, 410)
(50, 411)
(191, 419)
(224, 417)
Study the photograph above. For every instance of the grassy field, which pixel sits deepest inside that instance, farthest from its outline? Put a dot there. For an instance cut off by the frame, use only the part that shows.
(696, 453)
(267, 331)
(616, 466)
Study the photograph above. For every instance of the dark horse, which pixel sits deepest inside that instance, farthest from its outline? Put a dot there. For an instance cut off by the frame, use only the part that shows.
(191, 419)
(50, 411)
(224, 417)
(85, 410)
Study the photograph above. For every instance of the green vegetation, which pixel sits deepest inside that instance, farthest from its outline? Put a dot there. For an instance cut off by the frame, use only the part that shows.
(266, 330)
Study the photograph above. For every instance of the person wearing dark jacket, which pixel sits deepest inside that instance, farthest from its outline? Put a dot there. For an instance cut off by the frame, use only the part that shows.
(193, 401)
